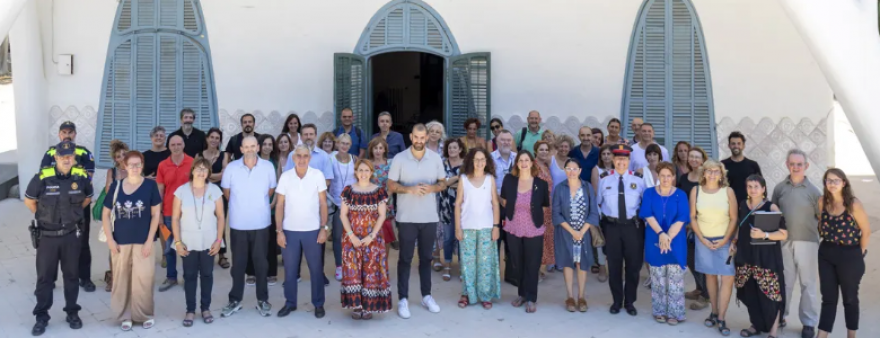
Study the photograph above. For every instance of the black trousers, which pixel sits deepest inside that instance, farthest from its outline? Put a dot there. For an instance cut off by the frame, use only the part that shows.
(525, 258)
(511, 274)
(249, 245)
(85, 252)
(625, 249)
(409, 234)
(841, 268)
(272, 252)
(198, 267)
(52, 251)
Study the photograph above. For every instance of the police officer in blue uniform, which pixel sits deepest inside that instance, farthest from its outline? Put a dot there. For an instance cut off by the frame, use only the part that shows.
(619, 195)
(57, 195)
(84, 158)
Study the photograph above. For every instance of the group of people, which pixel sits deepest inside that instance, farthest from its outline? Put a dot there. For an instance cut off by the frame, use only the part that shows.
(607, 205)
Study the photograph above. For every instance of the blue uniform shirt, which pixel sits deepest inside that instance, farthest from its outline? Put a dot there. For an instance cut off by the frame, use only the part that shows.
(633, 186)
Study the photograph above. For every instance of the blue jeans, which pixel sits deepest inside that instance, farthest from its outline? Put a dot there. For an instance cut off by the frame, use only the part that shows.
(170, 253)
(449, 242)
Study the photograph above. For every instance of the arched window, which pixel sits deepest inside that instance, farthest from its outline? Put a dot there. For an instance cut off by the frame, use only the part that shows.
(667, 76)
(158, 62)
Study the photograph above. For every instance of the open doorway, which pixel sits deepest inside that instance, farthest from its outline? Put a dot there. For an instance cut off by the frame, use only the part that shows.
(409, 85)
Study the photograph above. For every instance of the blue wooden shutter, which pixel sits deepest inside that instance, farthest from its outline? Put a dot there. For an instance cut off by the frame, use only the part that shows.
(407, 25)
(469, 92)
(349, 87)
(668, 81)
(158, 63)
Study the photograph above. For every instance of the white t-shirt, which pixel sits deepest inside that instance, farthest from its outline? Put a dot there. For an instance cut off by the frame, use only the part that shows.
(302, 210)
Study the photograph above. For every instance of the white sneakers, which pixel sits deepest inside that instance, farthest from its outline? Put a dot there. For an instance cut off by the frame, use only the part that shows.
(403, 309)
(338, 273)
(429, 303)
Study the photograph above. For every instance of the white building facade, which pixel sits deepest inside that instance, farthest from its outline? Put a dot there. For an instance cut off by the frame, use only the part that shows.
(724, 66)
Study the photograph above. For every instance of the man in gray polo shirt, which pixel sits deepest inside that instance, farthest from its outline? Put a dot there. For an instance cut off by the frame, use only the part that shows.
(798, 199)
(416, 176)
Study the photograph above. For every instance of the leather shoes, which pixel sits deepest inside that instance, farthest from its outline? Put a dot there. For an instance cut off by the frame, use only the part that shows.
(286, 310)
(615, 309)
(87, 285)
(319, 312)
(631, 310)
(39, 328)
(74, 321)
(808, 332)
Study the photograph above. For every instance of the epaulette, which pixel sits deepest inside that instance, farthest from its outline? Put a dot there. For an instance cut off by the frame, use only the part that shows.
(636, 174)
(605, 174)
(51, 151)
(47, 172)
(78, 170)
(80, 151)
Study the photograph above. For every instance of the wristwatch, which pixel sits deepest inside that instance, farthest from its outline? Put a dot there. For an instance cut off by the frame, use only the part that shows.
(766, 236)
(327, 228)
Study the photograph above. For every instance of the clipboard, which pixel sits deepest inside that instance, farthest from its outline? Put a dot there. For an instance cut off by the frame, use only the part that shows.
(767, 221)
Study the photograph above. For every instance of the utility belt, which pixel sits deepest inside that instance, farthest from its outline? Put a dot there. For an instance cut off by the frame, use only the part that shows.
(38, 231)
(615, 220)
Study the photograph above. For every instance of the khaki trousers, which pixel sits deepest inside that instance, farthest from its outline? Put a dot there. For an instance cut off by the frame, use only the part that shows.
(132, 283)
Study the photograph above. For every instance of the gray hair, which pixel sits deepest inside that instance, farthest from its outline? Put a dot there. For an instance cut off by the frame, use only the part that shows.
(250, 138)
(505, 131)
(384, 113)
(343, 136)
(436, 123)
(302, 146)
(795, 151)
(157, 129)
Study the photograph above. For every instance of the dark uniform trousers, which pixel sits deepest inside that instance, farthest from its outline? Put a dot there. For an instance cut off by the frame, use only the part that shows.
(65, 249)
(625, 248)
(85, 253)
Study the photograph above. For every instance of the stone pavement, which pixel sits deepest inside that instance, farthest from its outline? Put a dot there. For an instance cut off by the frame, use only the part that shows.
(17, 279)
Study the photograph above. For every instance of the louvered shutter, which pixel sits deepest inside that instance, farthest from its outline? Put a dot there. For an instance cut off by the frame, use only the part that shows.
(349, 83)
(667, 77)
(152, 74)
(469, 92)
(406, 25)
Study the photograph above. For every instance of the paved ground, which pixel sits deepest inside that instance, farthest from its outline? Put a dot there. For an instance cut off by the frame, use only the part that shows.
(17, 278)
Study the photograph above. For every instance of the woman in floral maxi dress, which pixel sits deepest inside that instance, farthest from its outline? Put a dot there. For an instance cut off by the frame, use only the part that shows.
(365, 286)
(544, 158)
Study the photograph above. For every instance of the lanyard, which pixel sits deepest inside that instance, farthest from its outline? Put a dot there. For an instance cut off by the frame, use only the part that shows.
(750, 213)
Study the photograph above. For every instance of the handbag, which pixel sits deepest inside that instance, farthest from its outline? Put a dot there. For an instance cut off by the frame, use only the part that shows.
(597, 236)
(101, 236)
(97, 211)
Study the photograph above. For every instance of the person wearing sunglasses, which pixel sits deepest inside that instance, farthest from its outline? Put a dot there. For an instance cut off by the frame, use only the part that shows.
(495, 125)
(798, 199)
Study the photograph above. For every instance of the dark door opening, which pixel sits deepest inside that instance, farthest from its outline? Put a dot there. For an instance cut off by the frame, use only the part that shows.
(409, 85)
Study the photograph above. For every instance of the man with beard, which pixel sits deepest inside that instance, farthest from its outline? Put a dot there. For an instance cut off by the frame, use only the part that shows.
(503, 158)
(233, 147)
(247, 184)
(526, 138)
(586, 154)
(84, 158)
(738, 166)
(416, 176)
(194, 140)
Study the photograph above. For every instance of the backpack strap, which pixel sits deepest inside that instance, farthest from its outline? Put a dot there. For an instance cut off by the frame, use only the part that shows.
(522, 136)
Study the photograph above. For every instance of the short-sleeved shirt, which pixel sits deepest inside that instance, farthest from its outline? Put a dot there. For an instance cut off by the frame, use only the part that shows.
(172, 176)
(233, 147)
(193, 144)
(737, 173)
(358, 139)
(502, 167)
(302, 208)
(528, 143)
(319, 160)
(800, 207)
(638, 160)
(133, 216)
(59, 196)
(395, 142)
(587, 162)
(84, 158)
(249, 194)
(408, 171)
(152, 160)
(606, 194)
(198, 223)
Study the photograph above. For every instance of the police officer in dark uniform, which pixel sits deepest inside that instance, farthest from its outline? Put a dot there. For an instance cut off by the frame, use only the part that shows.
(84, 158)
(57, 195)
(619, 195)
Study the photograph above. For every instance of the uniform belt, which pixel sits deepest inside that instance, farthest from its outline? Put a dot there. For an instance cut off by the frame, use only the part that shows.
(618, 220)
(56, 233)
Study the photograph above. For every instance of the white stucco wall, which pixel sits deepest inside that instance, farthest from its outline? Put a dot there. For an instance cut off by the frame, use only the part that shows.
(564, 58)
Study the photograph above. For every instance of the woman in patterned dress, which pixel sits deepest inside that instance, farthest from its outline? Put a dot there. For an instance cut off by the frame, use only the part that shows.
(365, 286)
(453, 148)
(377, 153)
(544, 158)
(477, 228)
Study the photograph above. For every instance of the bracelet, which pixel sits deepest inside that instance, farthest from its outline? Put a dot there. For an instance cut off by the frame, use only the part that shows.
(497, 225)
(177, 242)
(349, 233)
(218, 241)
(662, 233)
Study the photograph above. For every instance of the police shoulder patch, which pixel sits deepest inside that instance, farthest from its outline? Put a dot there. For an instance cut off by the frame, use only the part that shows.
(605, 174)
(636, 174)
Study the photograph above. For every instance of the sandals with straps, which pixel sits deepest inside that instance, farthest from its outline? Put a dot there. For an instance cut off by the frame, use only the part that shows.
(711, 321)
(207, 317)
(188, 322)
(722, 327)
(447, 273)
(126, 325)
(463, 302)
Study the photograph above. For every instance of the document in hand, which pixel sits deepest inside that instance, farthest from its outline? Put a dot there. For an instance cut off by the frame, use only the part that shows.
(768, 221)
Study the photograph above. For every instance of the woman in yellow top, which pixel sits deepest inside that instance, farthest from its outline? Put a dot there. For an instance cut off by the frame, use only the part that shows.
(713, 220)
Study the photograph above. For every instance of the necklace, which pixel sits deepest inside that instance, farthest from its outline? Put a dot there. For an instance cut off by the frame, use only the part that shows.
(664, 200)
(347, 170)
(201, 215)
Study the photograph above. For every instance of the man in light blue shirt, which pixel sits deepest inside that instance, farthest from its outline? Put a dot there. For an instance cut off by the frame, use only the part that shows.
(503, 156)
(320, 159)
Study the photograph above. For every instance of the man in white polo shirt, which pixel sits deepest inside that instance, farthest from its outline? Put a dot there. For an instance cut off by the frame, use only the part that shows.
(302, 197)
(416, 176)
(247, 184)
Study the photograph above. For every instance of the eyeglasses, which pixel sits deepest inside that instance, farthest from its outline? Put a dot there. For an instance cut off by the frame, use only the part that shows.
(715, 172)
(496, 126)
(796, 165)
(364, 171)
(833, 181)
(200, 170)
(571, 170)
(479, 160)
(136, 166)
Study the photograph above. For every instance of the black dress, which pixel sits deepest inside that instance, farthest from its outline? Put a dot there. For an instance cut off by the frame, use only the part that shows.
(759, 280)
